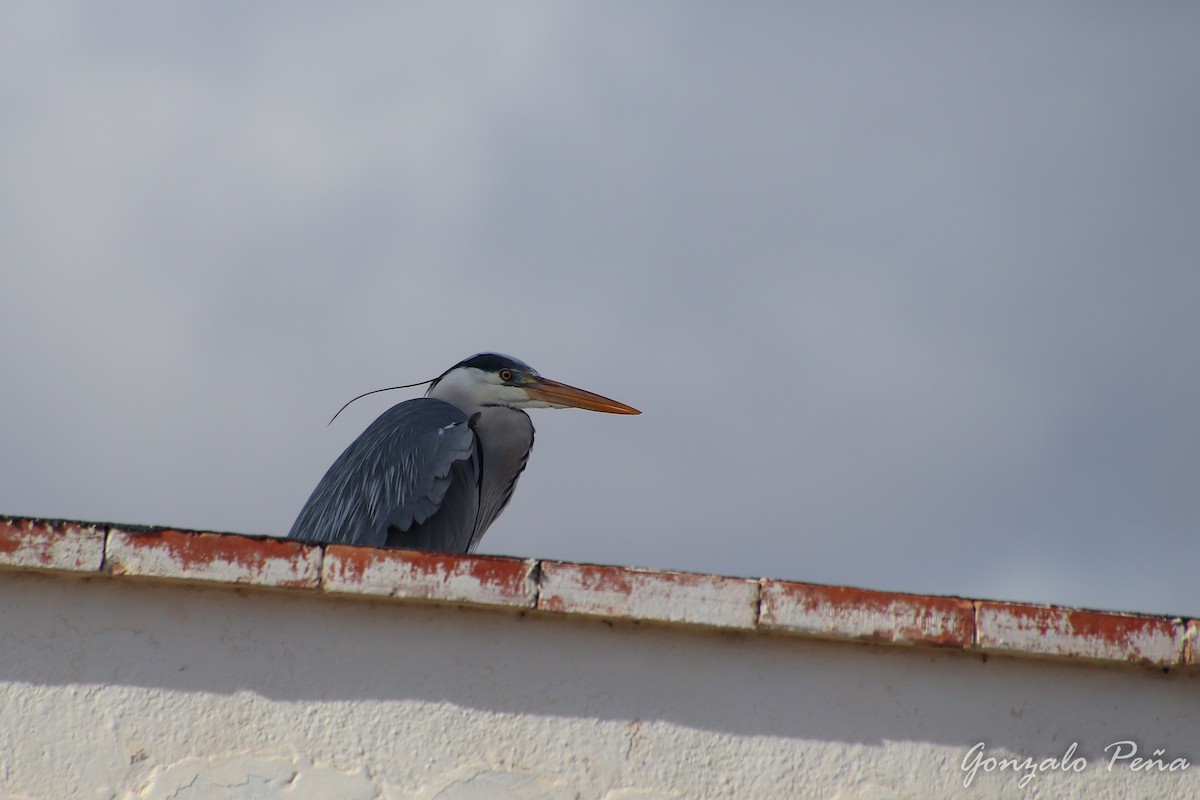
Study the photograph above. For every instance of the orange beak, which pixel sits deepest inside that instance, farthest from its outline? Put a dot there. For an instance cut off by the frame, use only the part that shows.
(560, 394)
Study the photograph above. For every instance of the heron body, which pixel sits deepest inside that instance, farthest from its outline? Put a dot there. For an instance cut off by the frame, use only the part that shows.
(433, 473)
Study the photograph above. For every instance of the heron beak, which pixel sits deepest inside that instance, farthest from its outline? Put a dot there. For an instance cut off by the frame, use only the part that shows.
(562, 395)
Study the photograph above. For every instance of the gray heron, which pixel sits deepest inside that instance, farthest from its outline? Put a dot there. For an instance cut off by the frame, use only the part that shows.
(433, 473)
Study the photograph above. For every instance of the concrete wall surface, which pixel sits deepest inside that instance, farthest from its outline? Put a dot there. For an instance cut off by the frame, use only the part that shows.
(123, 688)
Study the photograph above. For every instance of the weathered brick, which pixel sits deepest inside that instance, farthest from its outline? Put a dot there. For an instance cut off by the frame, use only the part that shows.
(842, 612)
(442, 577)
(41, 544)
(1075, 633)
(650, 595)
(214, 557)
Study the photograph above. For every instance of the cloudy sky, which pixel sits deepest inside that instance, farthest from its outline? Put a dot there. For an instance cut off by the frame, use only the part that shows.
(909, 295)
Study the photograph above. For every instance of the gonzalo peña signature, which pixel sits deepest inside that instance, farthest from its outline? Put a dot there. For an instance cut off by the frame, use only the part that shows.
(1122, 754)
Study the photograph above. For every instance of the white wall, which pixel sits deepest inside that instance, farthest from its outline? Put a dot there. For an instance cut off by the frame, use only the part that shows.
(119, 688)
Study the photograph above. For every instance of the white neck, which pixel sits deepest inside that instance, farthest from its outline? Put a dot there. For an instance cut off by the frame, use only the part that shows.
(470, 389)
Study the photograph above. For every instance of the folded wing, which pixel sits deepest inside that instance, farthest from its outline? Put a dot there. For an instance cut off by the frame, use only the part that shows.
(410, 480)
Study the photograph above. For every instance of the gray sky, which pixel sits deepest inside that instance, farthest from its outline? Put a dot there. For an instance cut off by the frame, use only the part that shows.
(907, 293)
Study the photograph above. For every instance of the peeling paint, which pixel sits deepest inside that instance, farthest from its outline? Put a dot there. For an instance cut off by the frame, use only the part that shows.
(225, 558)
(28, 543)
(1191, 650)
(1074, 633)
(478, 580)
(610, 592)
(250, 777)
(626, 593)
(867, 615)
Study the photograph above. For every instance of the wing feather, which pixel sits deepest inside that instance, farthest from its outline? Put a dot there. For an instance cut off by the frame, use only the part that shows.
(417, 461)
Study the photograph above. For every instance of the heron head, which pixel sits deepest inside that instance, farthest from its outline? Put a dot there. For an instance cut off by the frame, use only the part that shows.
(490, 379)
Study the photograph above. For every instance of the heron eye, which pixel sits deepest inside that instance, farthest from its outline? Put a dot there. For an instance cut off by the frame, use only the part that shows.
(506, 375)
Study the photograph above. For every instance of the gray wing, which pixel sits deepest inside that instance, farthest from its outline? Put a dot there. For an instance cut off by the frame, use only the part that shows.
(410, 480)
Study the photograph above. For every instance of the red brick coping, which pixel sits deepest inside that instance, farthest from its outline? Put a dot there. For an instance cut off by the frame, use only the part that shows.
(765, 605)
